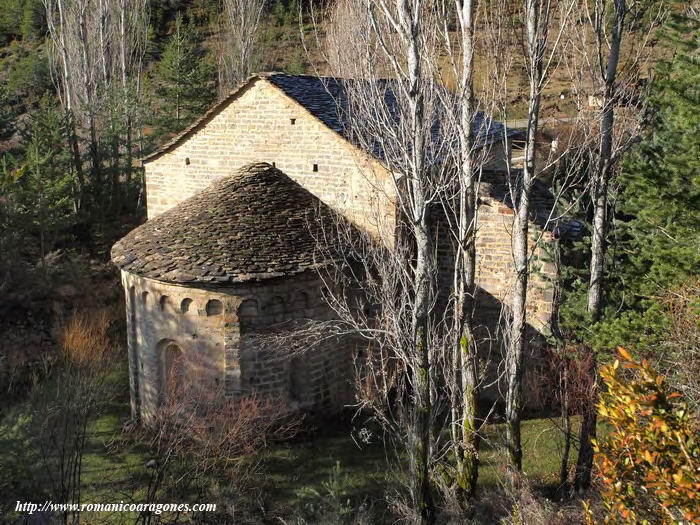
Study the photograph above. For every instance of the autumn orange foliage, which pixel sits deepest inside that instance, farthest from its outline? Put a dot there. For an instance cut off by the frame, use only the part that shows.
(648, 466)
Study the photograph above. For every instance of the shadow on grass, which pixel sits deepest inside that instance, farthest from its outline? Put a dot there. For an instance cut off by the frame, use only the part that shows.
(334, 462)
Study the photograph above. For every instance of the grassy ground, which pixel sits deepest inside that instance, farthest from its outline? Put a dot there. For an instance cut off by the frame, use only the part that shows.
(331, 473)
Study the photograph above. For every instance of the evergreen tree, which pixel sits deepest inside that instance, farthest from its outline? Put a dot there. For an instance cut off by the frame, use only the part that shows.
(28, 77)
(279, 11)
(8, 114)
(184, 78)
(21, 18)
(286, 12)
(10, 16)
(657, 224)
(660, 195)
(43, 189)
(33, 23)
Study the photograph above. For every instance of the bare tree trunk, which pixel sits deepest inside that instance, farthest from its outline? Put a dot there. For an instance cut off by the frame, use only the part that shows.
(124, 74)
(238, 31)
(537, 24)
(85, 39)
(131, 37)
(56, 20)
(603, 168)
(602, 174)
(87, 36)
(566, 427)
(465, 388)
(393, 103)
(409, 17)
(419, 456)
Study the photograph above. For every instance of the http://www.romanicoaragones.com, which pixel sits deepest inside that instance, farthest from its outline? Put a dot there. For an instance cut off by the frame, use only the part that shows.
(155, 508)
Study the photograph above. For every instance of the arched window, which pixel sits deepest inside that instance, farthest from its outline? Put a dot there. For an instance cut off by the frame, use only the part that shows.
(300, 301)
(185, 305)
(164, 300)
(274, 310)
(214, 307)
(248, 314)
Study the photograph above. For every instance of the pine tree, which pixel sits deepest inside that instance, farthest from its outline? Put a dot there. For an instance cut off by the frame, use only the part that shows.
(43, 190)
(33, 24)
(279, 10)
(660, 197)
(185, 79)
(657, 223)
(8, 114)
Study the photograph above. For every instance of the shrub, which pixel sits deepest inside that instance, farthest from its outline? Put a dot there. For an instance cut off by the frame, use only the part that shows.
(649, 465)
(199, 440)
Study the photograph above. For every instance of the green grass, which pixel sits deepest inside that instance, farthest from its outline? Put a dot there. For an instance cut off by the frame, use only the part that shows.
(296, 478)
(543, 444)
(291, 467)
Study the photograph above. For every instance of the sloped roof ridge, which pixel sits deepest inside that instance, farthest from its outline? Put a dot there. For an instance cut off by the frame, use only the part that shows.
(312, 93)
(215, 108)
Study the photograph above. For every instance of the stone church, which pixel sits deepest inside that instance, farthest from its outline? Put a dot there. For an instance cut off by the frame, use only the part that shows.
(226, 252)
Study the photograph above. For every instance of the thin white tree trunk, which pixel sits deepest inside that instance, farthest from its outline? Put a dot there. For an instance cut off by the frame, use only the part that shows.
(601, 180)
(465, 439)
(410, 18)
(537, 20)
(55, 14)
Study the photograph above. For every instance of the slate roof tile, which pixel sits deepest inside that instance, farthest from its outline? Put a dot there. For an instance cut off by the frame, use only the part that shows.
(237, 229)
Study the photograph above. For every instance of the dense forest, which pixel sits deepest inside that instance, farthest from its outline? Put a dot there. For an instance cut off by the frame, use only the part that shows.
(605, 99)
(163, 72)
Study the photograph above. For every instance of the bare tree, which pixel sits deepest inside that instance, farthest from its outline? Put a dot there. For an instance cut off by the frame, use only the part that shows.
(198, 434)
(616, 93)
(59, 59)
(238, 33)
(537, 13)
(131, 38)
(539, 53)
(95, 45)
(460, 205)
(391, 102)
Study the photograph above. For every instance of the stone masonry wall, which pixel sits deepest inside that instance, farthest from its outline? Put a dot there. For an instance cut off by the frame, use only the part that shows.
(495, 276)
(214, 329)
(264, 125)
(495, 271)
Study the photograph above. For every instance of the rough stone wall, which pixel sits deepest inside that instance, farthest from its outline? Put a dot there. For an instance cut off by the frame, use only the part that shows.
(216, 329)
(495, 271)
(264, 125)
(495, 275)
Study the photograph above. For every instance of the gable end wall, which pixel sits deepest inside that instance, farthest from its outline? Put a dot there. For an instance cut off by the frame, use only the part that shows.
(257, 127)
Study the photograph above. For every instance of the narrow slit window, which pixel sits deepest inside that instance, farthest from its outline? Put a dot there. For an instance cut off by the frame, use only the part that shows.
(315, 167)
(292, 121)
(187, 161)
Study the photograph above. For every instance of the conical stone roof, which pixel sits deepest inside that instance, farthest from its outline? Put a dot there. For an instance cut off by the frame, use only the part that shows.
(255, 224)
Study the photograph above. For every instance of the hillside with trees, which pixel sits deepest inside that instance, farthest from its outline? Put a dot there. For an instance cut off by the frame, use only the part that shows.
(602, 102)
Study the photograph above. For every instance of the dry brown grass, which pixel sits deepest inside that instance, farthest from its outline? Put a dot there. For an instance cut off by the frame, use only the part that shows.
(679, 355)
(84, 339)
